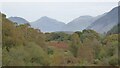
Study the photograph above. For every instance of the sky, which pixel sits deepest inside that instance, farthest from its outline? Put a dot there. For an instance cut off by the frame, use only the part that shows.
(61, 11)
(59, 0)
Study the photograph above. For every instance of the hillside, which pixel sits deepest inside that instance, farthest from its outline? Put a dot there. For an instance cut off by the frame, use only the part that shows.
(18, 20)
(23, 45)
(80, 23)
(114, 30)
(106, 22)
(47, 24)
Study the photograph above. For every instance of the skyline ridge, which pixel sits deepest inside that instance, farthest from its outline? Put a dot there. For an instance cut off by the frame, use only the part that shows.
(62, 11)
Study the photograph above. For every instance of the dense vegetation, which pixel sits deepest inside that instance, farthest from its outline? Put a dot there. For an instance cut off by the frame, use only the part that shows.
(114, 30)
(25, 46)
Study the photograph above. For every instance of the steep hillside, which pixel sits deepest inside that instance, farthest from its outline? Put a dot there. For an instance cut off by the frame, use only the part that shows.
(18, 20)
(106, 22)
(47, 24)
(114, 30)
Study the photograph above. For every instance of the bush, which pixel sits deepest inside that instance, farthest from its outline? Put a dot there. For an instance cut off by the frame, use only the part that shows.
(113, 61)
(31, 54)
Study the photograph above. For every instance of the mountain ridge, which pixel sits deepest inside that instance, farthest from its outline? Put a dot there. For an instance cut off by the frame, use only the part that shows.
(18, 20)
(101, 23)
(47, 24)
(106, 22)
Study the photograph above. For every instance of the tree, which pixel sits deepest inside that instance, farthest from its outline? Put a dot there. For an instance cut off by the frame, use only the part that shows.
(75, 44)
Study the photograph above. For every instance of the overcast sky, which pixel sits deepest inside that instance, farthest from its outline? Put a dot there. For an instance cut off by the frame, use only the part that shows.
(62, 11)
(59, 0)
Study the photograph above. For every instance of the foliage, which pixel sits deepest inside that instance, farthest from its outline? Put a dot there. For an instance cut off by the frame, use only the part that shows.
(57, 36)
(113, 61)
(28, 55)
(26, 46)
(75, 44)
(114, 30)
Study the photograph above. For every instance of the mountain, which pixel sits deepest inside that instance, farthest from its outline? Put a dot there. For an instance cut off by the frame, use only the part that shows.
(46, 24)
(114, 30)
(80, 23)
(106, 22)
(18, 20)
(102, 23)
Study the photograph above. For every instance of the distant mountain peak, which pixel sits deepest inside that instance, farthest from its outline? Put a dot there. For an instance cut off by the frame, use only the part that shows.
(45, 17)
(48, 19)
(85, 17)
(79, 23)
(47, 24)
(18, 20)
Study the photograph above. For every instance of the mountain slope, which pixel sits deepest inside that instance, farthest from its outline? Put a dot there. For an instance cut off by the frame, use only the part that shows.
(18, 20)
(47, 24)
(106, 22)
(114, 30)
(80, 23)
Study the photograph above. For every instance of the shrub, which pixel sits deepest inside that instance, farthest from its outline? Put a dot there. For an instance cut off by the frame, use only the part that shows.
(113, 61)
